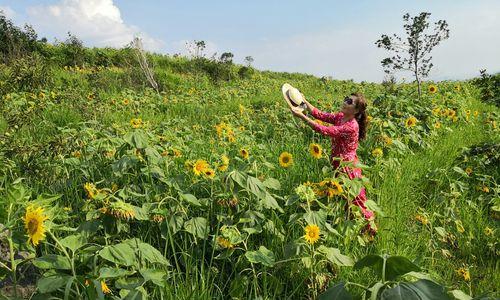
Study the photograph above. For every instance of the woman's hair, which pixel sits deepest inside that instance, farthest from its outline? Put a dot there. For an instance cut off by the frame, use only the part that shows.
(361, 115)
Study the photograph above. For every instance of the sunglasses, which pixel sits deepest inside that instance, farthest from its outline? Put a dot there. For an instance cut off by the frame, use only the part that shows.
(348, 100)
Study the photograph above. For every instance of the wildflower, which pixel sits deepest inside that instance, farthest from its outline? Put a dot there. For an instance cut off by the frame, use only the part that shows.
(315, 150)
(200, 166)
(422, 219)
(244, 153)
(377, 152)
(224, 243)
(209, 173)
(91, 190)
(225, 163)
(331, 187)
(312, 233)
(433, 89)
(411, 121)
(464, 272)
(33, 223)
(136, 122)
(104, 287)
(285, 159)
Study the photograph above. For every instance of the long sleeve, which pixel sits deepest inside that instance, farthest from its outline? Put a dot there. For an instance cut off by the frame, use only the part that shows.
(346, 129)
(326, 117)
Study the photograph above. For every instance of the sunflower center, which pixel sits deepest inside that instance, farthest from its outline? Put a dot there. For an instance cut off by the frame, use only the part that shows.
(32, 226)
(286, 159)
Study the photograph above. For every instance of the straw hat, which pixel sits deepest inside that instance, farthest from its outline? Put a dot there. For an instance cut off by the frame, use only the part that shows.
(292, 96)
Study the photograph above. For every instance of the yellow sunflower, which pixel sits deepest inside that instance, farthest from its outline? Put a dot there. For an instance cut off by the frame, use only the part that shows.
(315, 150)
(285, 159)
(33, 223)
(225, 163)
(411, 121)
(312, 233)
(90, 189)
(200, 166)
(104, 287)
(437, 125)
(331, 188)
(224, 243)
(136, 122)
(468, 170)
(432, 89)
(125, 101)
(244, 153)
(457, 88)
(209, 173)
(464, 272)
(377, 152)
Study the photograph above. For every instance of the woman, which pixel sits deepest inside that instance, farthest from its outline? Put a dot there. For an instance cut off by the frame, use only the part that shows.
(348, 126)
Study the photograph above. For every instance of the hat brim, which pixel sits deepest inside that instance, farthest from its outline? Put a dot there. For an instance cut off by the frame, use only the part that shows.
(284, 89)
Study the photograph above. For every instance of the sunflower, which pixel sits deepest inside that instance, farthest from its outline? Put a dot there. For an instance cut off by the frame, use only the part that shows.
(436, 111)
(476, 113)
(90, 189)
(200, 166)
(468, 170)
(136, 122)
(33, 222)
(177, 152)
(451, 113)
(464, 272)
(488, 231)
(224, 243)
(315, 150)
(422, 219)
(437, 125)
(125, 101)
(377, 152)
(387, 140)
(432, 89)
(209, 173)
(104, 287)
(411, 121)
(285, 159)
(331, 188)
(457, 88)
(312, 233)
(244, 153)
(120, 210)
(225, 163)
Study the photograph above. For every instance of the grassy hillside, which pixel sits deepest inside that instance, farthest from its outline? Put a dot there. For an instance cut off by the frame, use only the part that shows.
(109, 168)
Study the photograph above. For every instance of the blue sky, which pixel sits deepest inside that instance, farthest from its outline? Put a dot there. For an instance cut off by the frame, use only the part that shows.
(332, 38)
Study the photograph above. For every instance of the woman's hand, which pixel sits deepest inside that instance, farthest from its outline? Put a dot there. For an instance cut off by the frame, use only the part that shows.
(310, 107)
(297, 111)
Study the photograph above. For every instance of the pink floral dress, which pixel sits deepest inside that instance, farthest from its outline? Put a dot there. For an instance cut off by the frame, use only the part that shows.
(344, 136)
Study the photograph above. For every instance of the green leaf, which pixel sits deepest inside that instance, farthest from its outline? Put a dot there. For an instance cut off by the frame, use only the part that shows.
(52, 261)
(74, 242)
(337, 292)
(121, 254)
(48, 284)
(458, 294)
(272, 183)
(270, 202)
(419, 290)
(113, 272)
(397, 266)
(156, 276)
(137, 139)
(316, 217)
(197, 227)
(263, 256)
(334, 256)
(190, 199)
(152, 255)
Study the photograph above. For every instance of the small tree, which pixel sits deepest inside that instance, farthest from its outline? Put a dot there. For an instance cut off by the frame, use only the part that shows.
(249, 61)
(413, 54)
(226, 57)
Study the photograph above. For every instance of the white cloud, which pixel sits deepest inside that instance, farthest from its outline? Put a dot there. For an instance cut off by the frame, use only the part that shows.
(8, 12)
(96, 22)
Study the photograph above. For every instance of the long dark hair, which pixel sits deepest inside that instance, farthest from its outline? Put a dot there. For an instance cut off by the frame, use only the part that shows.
(361, 115)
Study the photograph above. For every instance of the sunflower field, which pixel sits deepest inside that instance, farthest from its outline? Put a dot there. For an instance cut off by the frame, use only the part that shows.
(212, 189)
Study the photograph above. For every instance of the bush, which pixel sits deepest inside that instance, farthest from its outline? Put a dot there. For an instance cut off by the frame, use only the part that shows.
(489, 86)
(28, 73)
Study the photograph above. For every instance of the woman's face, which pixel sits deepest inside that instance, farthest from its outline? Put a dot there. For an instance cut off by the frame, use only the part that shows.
(349, 105)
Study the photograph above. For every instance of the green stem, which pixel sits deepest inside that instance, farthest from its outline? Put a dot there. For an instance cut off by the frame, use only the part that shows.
(13, 266)
(70, 258)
